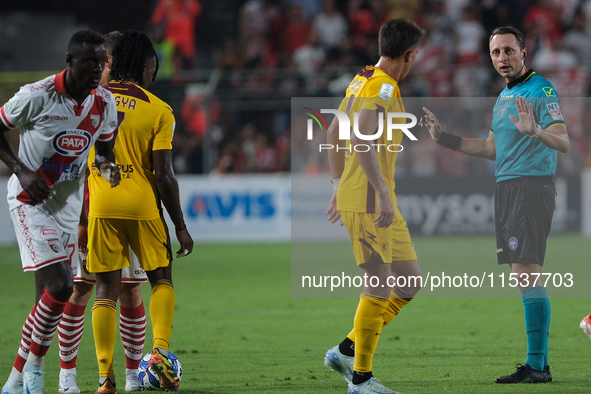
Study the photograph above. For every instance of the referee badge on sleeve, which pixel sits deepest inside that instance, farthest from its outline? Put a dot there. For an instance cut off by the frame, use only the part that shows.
(554, 110)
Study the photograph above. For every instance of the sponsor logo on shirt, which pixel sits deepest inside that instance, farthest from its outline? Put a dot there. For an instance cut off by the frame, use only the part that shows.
(49, 231)
(49, 117)
(554, 109)
(72, 142)
(549, 92)
(67, 171)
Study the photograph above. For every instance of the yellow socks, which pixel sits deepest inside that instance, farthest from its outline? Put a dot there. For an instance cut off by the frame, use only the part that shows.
(104, 326)
(367, 325)
(395, 305)
(162, 312)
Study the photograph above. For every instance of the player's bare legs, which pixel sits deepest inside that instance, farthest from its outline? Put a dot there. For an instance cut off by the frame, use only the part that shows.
(56, 279)
(537, 323)
(82, 293)
(130, 295)
(375, 267)
(408, 270)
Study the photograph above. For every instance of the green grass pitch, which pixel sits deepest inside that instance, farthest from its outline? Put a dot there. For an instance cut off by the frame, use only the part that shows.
(237, 329)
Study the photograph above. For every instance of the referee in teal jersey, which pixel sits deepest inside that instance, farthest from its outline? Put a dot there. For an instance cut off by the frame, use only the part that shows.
(526, 132)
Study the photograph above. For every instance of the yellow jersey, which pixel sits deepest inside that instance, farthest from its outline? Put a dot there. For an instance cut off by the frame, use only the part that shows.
(146, 124)
(372, 89)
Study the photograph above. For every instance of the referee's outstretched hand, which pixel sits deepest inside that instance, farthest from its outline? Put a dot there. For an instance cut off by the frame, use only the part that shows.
(432, 124)
(526, 122)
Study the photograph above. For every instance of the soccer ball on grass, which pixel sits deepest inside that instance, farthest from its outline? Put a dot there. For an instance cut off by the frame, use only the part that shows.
(149, 378)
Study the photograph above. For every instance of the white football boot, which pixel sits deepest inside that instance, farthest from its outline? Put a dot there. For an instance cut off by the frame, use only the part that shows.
(337, 361)
(67, 382)
(371, 386)
(132, 380)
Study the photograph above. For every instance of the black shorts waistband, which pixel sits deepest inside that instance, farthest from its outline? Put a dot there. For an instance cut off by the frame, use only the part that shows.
(549, 178)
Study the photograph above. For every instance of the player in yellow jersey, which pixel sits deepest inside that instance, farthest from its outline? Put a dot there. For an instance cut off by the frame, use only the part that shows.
(364, 199)
(132, 322)
(132, 217)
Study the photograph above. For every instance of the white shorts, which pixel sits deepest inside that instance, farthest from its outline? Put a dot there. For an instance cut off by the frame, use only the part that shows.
(40, 239)
(132, 274)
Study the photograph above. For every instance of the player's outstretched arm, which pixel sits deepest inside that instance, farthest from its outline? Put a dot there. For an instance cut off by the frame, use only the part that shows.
(477, 147)
(368, 123)
(168, 188)
(32, 182)
(336, 162)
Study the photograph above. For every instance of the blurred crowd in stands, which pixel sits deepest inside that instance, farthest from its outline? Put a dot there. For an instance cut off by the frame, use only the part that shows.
(310, 48)
(232, 97)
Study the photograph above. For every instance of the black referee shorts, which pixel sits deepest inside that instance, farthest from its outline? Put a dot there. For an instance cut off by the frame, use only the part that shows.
(523, 215)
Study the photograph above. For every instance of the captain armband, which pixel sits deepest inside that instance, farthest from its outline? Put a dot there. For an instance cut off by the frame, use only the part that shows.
(450, 141)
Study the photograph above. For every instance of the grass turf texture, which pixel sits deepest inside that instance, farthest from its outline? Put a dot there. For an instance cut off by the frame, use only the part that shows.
(237, 330)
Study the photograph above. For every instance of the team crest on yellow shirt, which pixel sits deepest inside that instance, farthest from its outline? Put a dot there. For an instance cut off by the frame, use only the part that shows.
(355, 85)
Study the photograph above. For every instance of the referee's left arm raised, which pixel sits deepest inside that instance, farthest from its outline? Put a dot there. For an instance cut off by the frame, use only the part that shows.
(554, 137)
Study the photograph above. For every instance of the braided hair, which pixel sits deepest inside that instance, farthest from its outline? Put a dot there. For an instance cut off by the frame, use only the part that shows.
(130, 54)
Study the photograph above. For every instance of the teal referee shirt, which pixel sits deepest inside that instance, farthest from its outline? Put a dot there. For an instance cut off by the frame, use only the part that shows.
(517, 154)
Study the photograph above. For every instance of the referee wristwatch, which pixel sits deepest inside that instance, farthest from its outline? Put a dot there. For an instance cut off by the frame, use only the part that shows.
(537, 134)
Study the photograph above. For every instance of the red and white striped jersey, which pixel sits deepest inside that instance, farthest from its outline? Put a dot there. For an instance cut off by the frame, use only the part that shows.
(55, 137)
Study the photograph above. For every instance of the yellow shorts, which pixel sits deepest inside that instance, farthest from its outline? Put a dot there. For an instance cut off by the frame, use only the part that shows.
(109, 241)
(388, 244)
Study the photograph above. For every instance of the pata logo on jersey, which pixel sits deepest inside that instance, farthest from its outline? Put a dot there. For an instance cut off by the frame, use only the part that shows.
(393, 120)
(72, 142)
